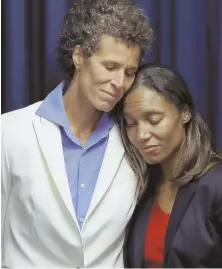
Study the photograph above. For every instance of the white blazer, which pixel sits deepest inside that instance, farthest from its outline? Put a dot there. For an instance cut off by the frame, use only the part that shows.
(39, 225)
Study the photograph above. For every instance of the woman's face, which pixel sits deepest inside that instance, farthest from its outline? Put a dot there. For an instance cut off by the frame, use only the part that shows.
(153, 124)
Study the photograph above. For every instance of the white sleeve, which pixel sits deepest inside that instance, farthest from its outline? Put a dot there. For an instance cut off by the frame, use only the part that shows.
(6, 185)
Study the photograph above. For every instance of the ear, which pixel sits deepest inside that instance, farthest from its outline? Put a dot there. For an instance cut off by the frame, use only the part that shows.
(77, 57)
(185, 116)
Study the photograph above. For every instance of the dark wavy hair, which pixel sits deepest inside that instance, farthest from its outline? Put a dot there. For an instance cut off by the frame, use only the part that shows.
(197, 153)
(88, 20)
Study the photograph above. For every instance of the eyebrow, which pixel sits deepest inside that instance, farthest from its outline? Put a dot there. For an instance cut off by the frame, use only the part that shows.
(119, 64)
(146, 113)
(153, 112)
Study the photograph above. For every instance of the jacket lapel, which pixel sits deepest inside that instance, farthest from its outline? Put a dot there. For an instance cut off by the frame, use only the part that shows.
(111, 162)
(50, 143)
(181, 203)
(138, 239)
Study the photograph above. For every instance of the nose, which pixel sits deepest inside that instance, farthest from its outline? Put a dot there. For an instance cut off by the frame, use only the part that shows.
(118, 79)
(143, 132)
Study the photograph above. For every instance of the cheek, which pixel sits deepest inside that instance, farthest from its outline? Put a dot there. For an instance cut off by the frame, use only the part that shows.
(166, 130)
(100, 75)
(173, 137)
(91, 76)
(128, 83)
(131, 134)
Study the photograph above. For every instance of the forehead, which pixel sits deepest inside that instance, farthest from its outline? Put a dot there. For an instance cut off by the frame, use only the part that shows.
(118, 51)
(144, 99)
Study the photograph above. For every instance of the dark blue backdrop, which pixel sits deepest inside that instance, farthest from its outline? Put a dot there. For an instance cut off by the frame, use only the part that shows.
(188, 37)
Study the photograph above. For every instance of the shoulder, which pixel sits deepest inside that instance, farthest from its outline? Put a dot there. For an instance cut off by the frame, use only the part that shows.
(20, 114)
(210, 184)
(212, 178)
(17, 126)
(18, 118)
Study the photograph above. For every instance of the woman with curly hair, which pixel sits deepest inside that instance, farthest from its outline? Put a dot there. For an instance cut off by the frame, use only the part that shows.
(64, 171)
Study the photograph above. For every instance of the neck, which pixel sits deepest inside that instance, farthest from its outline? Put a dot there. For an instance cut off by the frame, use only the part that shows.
(166, 191)
(172, 163)
(82, 116)
(168, 169)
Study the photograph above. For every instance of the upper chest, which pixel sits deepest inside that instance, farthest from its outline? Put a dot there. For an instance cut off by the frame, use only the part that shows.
(166, 196)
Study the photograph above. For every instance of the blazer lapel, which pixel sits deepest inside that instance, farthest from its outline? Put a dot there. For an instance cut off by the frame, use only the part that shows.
(49, 139)
(138, 239)
(111, 161)
(181, 203)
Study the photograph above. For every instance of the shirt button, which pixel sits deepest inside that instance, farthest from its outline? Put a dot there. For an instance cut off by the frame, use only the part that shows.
(82, 186)
(81, 220)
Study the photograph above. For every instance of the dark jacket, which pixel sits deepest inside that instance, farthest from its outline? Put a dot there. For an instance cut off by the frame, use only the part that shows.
(194, 233)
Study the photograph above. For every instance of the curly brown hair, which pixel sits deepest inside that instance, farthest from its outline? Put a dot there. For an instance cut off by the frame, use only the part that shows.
(88, 20)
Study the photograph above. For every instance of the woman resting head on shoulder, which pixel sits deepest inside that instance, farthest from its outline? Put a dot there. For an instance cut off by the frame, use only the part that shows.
(178, 221)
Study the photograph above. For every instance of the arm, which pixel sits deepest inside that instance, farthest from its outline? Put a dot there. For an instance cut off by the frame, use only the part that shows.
(217, 206)
(6, 185)
(218, 215)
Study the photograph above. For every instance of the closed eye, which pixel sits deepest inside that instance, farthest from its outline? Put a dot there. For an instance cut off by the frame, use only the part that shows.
(109, 67)
(155, 121)
(130, 74)
(129, 122)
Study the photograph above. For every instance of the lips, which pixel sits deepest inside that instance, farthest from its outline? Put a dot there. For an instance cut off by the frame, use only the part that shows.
(113, 95)
(149, 148)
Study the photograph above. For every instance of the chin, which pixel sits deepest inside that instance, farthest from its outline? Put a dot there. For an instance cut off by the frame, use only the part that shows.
(151, 162)
(105, 107)
(152, 159)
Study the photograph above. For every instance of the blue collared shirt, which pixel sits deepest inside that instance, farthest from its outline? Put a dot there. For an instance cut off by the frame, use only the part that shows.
(83, 163)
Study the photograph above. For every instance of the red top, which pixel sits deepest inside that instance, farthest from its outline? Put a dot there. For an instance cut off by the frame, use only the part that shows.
(155, 237)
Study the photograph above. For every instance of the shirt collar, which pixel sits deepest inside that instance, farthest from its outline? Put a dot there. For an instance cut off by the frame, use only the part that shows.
(52, 109)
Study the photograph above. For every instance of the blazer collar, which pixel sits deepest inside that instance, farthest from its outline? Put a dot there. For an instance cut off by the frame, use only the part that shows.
(50, 145)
